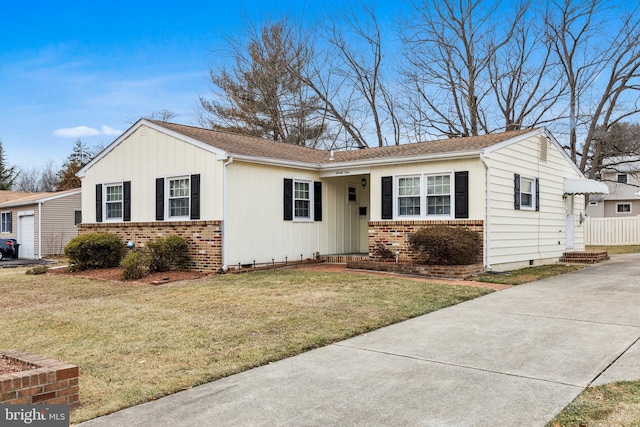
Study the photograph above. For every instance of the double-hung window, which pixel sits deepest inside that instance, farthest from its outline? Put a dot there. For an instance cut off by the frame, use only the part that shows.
(439, 195)
(424, 195)
(302, 200)
(5, 223)
(527, 191)
(178, 197)
(113, 201)
(409, 196)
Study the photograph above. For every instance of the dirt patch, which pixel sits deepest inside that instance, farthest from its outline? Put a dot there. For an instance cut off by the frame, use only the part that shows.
(115, 274)
(10, 367)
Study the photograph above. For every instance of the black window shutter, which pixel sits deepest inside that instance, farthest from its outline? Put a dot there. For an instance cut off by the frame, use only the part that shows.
(387, 197)
(461, 183)
(159, 199)
(516, 191)
(288, 199)
(195, 196)
(98, 202)
(317, 201)
(126, 201)
(10, 230)
(537, 194)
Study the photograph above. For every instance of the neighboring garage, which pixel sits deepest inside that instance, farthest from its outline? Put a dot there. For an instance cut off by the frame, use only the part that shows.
(42, 223)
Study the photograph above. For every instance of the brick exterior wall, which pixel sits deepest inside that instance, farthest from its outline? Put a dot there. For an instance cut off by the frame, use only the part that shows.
(49, 381)
(457, 272)
(395, 234)
(203, 237)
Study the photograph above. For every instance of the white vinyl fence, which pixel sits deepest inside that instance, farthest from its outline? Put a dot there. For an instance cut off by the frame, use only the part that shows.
(612, 231)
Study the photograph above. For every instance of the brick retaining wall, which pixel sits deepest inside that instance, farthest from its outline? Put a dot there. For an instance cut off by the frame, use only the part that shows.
(456, 272)
(395, 234)
(49, 381)
(203, 237)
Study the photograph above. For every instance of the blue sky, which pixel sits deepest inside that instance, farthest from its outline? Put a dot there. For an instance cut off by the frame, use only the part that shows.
(88, 70)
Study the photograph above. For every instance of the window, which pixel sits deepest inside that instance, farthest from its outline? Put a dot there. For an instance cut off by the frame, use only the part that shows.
(409, 196)
(623, 207)
(352, 193)
(5, 223)
(424, 195)
(526, 193)
(301, 200)
(623, 178)
(439, 195)
(77, 217)
(113, 201)
(178, 197)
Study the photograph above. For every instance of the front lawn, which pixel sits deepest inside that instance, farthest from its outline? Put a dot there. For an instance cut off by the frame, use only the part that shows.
(526, 275)
(136, 342)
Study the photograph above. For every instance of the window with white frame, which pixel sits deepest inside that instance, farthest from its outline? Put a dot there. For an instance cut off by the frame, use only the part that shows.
(623, 207)
(527, 193)
(409, 196)
(623, 178)
(439, 195)
(5, 223)
(113, 201)
(178, 197)
(424, 195)
(302, 199)
(352, 193)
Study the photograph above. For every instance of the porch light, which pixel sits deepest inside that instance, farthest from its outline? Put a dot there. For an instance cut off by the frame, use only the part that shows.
(363, 182)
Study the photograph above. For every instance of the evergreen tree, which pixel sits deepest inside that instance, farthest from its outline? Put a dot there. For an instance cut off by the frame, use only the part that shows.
(8, 175)
(79, 157)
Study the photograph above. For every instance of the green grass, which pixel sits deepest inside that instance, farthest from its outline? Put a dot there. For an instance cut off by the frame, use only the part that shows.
(525, 275)
(616, 404)
(616, 250)
(134, 342)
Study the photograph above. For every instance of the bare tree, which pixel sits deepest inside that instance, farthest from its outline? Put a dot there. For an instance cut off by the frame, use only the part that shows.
(525, 81)
(349, 78)
(601, 65)
(43, 179)
(262, 94)
(449, 48)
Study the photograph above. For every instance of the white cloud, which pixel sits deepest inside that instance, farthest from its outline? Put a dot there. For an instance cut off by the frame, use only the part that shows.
(108, 130)
(84, 131)
(76, 132)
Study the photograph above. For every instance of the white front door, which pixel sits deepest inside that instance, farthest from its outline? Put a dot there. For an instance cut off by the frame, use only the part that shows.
(569, 222)
(26, 236)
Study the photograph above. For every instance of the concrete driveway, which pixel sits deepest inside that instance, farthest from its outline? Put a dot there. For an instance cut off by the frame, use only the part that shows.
(514, 357)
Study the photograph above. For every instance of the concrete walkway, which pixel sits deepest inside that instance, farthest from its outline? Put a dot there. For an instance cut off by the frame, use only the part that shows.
(514, 357)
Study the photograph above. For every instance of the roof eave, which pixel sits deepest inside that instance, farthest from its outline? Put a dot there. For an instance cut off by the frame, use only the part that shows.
(396, 160)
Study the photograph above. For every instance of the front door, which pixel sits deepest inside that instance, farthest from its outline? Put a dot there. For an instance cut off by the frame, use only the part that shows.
(569, 222)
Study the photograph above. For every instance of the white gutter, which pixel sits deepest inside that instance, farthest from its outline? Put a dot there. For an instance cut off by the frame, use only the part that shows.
(487, 222)
(224, 213)
(39, 230)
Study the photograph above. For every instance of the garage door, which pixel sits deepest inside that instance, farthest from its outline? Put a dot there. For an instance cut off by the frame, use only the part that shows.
(26, 236)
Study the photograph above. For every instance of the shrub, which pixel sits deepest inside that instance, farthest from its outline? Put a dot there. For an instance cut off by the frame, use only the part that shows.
(135, 264)
(94, 250)
(168, 253)
(383, 252)
(41, 269)
(442, 245)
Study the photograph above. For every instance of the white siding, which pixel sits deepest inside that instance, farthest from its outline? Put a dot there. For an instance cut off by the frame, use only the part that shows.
(524, 236)
(255, 228)
(144, 156)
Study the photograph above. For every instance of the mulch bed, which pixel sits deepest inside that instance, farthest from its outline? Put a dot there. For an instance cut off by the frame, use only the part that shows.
(11, 367)
(115, 274)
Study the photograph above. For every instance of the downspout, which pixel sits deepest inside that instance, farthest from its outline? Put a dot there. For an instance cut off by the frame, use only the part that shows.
(487, 221)
(225, 266)
(39, 230)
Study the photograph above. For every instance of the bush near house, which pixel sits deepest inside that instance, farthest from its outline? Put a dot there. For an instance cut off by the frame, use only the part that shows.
(443, 245)
(135, 265)
(94, 250)
(168, 253)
